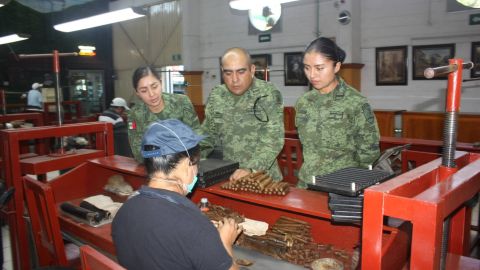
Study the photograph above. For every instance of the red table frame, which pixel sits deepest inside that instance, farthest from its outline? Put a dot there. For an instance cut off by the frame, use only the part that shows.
(424, 198)
(14, 168)
(306, 205)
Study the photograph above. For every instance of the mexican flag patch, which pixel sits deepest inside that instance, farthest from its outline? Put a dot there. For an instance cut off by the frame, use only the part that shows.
(132, 125)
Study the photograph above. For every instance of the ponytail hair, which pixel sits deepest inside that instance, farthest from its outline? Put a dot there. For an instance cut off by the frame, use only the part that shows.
(327, 48)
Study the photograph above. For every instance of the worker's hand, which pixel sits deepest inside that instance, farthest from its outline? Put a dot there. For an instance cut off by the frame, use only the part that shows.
(239, 173)
(229, 231)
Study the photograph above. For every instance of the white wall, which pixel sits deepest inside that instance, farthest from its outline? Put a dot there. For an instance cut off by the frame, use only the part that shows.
(383, 23)
(222, 28)
(150, 40)
(411, 23)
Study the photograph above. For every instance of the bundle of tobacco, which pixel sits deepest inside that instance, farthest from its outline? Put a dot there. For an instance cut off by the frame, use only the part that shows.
(217, 213)
(290, 239)
(258, 182)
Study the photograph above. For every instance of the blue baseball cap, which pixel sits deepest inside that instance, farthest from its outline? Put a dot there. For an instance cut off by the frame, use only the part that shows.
(170, 136)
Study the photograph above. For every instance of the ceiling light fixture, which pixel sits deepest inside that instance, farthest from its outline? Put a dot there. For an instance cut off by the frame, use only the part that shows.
(86, 50)
(13, 38)
(102, 19)
(470, 3)
(249, 4)
(3, 2)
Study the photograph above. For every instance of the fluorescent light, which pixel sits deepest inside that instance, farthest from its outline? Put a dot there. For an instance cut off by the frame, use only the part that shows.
(13, 38)
(87, 48)
(470, 3)
(102, 19)
(249, 4)
(3, 2)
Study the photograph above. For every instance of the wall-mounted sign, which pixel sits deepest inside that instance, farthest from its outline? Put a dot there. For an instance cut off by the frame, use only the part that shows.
(264, 38)
(474, 19)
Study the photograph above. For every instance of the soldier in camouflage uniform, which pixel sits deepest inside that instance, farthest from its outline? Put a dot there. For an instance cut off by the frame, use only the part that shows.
(244, 117)
(335, 123)
(155, 106)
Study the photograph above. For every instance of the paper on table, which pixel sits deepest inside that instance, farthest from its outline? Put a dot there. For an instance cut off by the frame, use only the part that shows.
(105, 203)
(254, 227)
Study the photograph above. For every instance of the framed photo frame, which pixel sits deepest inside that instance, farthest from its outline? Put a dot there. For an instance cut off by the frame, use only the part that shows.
(430, 56)
(475, 71)
(261, 62)
(293, 63)
(391, 65)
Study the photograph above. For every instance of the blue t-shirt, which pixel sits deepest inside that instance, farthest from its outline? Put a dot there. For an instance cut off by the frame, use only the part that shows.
(160, 229)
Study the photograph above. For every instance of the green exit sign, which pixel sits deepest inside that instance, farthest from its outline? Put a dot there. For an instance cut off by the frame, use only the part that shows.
(264, 38)
(474, 19)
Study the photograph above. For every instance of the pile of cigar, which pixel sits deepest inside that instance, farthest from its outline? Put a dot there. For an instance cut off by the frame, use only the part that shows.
(257, 182)
(291, 240)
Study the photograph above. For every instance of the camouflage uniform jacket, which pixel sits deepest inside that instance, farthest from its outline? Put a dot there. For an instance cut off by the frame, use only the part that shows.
(337, 130)
(139, 118)
(248, 128)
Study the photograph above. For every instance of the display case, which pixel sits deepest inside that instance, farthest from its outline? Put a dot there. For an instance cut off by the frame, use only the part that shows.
(87, 86)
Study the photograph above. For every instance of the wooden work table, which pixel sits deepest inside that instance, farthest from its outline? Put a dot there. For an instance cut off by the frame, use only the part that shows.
(90, 178)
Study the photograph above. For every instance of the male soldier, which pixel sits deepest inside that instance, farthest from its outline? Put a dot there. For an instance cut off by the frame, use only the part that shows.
(244, 117)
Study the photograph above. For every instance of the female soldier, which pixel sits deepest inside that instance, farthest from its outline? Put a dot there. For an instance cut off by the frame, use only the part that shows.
(335, 123)
(155, 106)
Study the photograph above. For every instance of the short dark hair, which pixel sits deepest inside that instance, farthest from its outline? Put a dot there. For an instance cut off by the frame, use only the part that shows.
(327, 48)
(167, 163)
(141, 72)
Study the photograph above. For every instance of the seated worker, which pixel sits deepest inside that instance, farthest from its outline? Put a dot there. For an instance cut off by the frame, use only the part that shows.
(120, 133)
(244, 117)
(114, 113)
(34, 98)
(162, 229)
(155, 106)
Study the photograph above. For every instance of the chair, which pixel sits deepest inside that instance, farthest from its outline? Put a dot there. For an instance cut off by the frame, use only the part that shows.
(290, 160)
(46, 232)
(94, 260)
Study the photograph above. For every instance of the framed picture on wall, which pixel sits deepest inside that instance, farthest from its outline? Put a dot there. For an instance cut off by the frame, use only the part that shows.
(430, 56)
(475, 72)
(261, 62)
(391, 65)
(293, 63)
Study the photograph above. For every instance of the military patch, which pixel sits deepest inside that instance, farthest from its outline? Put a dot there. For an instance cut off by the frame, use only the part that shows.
(368, 113)
(335, 115)
(132, 125)
(339, 95)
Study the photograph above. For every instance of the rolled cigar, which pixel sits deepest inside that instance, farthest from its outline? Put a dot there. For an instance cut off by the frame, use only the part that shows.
(264, 182)
(261, 178)
(285, 218)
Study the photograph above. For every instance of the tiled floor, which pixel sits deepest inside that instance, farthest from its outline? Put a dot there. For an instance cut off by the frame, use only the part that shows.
(7, 253)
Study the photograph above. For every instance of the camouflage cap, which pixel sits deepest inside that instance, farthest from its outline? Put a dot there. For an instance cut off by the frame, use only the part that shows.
(169, 136)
